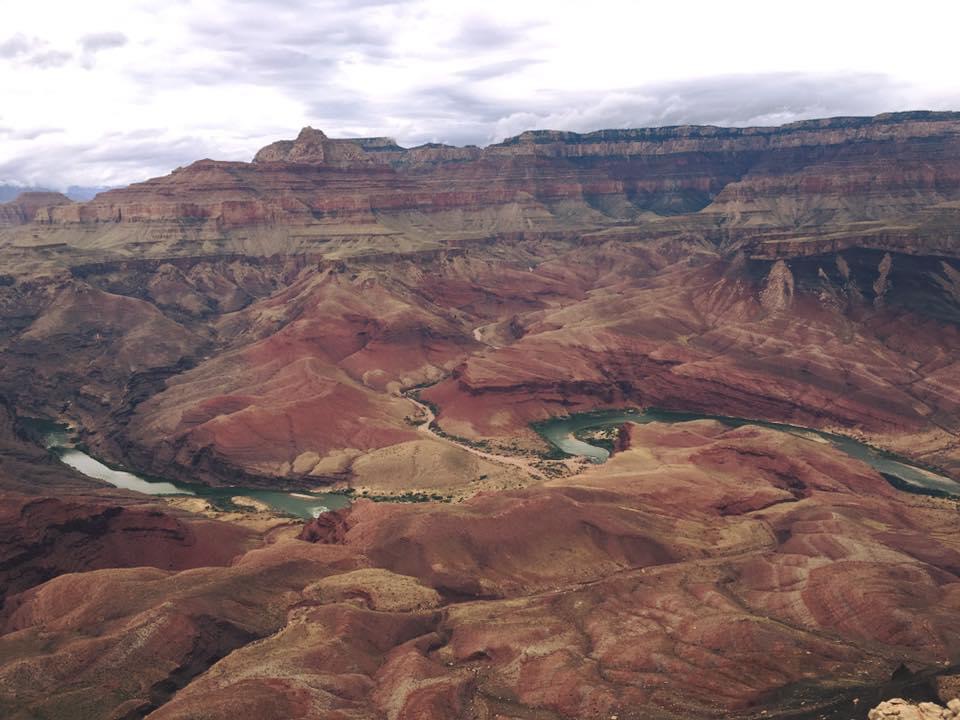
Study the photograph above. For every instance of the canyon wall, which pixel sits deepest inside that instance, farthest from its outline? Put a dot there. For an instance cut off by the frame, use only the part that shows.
(757, 272)
(353, 313)
(844, 180)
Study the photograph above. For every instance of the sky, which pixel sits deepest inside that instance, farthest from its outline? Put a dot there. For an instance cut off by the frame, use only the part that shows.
(116, 91)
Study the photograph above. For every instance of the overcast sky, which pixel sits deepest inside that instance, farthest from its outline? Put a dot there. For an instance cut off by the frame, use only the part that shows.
(115, 91)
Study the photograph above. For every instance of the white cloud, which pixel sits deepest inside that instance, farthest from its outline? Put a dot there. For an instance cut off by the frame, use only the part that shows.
(119, 90)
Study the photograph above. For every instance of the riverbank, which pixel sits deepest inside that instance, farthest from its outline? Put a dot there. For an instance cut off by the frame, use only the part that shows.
(222, 501)
(563, 433)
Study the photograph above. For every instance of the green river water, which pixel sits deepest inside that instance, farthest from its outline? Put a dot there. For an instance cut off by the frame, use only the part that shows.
(304, 505)
(562, 433)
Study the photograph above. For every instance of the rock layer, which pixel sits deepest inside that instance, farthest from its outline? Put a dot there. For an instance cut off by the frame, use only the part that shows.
(31, 206)
(701, 572)
(272, 322)
(799, 179)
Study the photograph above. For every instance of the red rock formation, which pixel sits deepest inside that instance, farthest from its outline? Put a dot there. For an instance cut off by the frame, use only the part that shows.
(239, 381)
(30, 207)
(803, 175)
(45, 537)
(55, 521)
(710, 339)
(705, 572)
(260, 320)
(314, 147)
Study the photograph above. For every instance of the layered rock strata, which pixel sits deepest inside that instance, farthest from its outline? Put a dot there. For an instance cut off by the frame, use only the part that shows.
(31, 206)
(702, 572)
(352, 312)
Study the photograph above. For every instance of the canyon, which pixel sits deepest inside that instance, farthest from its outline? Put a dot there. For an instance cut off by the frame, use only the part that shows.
(349, 315)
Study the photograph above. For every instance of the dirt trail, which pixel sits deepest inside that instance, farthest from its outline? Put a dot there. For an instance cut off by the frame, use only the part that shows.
(525, 464)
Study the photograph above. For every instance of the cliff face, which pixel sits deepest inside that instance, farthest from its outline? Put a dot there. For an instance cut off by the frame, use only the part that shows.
(29, 207)
(490, 266)
(796, 177)
(314, 147)
(330, 273)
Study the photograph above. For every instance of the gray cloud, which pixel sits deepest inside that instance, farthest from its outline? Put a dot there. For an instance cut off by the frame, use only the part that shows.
(16, 45)
(318, 29)
(458, 113)
(37, 52)
(497, 69)
(34, 52)
(298, 50)
(31, 134)
(124, 157)
(479, 32)
(327, 33)
(455, 114)
(305, 50)
(50, 59)
(95, 42)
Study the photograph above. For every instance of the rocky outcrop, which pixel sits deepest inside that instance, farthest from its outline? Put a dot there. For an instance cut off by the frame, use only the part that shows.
(797, 178)
(46, 537)
(30, 207)
(882, 284)
(760, 341)
(948, 688)
(702, 573)
(314, 147)
(898, 709)
(777, 294)
(291, 368)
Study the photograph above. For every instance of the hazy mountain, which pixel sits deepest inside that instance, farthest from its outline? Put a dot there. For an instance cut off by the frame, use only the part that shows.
(78, 193)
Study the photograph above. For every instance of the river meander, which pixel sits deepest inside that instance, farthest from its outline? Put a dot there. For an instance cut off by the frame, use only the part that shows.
(56, 438)
(562, 432)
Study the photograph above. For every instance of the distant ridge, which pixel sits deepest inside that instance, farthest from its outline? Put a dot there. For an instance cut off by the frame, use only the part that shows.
(77, 193)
